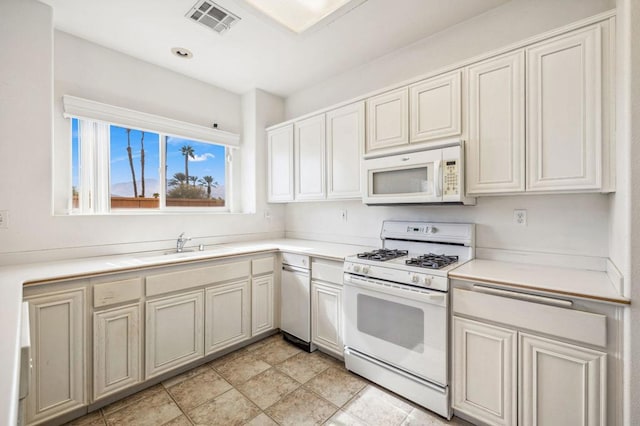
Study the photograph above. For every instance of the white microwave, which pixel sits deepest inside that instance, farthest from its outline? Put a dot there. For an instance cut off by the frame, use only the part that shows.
(433, 176)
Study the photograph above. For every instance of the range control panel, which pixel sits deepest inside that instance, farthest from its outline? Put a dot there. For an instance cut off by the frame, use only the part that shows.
(451, 178)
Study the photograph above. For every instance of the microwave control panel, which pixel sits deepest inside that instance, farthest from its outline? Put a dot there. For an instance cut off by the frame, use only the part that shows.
(451, 178)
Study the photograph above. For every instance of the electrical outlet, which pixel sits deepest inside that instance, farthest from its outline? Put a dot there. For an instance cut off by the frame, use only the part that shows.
(4, 219)
(343, 215)
(520, 217)
(267, 215)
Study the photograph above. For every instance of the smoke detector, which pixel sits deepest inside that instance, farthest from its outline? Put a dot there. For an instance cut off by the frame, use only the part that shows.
(212, 16)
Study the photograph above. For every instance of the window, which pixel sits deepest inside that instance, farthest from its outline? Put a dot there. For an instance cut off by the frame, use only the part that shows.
(117, 168)
(196, 173)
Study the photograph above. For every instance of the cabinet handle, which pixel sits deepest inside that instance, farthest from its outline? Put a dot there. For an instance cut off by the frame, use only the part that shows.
(523, 296)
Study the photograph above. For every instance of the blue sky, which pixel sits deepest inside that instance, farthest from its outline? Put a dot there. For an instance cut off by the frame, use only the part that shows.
(209, 159)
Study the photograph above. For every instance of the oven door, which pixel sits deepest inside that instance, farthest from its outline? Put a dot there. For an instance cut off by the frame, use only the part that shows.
(400, 325)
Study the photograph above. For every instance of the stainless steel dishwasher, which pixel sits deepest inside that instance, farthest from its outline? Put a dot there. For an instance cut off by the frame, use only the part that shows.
(295, 300)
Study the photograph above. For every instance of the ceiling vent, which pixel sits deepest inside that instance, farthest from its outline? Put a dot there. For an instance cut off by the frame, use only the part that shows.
(213, 16)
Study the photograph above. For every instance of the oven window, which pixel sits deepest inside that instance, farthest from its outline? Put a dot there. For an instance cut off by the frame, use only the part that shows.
(393, 322)
(403, 181)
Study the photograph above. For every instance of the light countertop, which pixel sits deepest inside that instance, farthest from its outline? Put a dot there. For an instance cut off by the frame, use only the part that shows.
(579, 283)
(12, 279)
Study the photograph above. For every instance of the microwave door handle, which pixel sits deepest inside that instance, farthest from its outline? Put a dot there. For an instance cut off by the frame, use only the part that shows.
(437, 178)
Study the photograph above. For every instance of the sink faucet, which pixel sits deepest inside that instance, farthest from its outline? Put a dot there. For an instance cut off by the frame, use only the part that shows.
(182, 240)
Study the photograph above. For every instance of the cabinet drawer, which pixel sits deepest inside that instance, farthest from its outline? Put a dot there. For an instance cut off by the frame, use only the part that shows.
(565, 323)
(326, 270)
(262, 266)
(116, 292)
(298, 260)
(182, 280)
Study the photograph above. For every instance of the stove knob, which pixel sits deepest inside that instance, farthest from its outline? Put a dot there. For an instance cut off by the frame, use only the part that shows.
(365, 269)
(415, 279)
(356, 268)
(427, 280)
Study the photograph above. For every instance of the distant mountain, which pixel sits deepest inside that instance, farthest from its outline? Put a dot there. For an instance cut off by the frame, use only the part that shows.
(217, 192)
(125, 189)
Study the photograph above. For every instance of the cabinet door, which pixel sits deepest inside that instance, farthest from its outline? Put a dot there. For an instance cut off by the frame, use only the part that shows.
(326, 316)
(561, 384)
(345, 142)
(262, 304)
(495, 161)
(227, 315)
(58, 347)
(280, 164)
(388, 119)
(484, 371)
(309, 151)
(174, 332)
(117, 354)
(436, 108)
(564, 135)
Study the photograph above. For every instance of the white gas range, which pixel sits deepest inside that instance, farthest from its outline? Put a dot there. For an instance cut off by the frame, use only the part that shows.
(396, 314)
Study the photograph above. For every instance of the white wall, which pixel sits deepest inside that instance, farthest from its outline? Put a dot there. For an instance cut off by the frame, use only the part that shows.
(260, 110)
(631, 15)
(499, 27)
(566, 224)
(27, 151)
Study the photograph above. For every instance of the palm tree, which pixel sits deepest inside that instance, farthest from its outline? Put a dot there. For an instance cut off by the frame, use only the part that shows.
(133, 172)
(193, 180)
(178, 179)
(209, 183)
(142, 163)
(187, 151)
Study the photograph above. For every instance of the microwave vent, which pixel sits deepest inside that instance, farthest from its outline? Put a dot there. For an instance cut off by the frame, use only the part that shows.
(212, 16)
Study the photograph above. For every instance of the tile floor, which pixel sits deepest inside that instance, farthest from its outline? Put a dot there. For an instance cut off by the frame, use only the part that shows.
(268, 383)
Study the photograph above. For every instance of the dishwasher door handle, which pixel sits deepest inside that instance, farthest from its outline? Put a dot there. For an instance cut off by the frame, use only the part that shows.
(295, 269)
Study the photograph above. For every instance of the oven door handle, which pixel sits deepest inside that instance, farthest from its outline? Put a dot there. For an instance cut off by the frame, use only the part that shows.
(406, 292)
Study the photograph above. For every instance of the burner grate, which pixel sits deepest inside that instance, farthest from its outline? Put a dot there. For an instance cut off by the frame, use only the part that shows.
(432, 261)
(382, 255)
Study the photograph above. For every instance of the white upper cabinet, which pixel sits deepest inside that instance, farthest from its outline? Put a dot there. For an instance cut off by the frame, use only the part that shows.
(388, 120)
(345, 139)
(496, 143)
(436, 108)
(309, 153)
(280, 164)
(536, 119)
(564, 136)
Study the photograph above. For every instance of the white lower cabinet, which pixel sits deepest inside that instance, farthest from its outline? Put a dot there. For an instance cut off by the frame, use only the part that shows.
(484, 371)
(93, 339)
(262, 304)
(174, 332)
(561, 384)
(117, 351)
(58, 379)
(227, 315)
(553, 382)
(326, 316)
